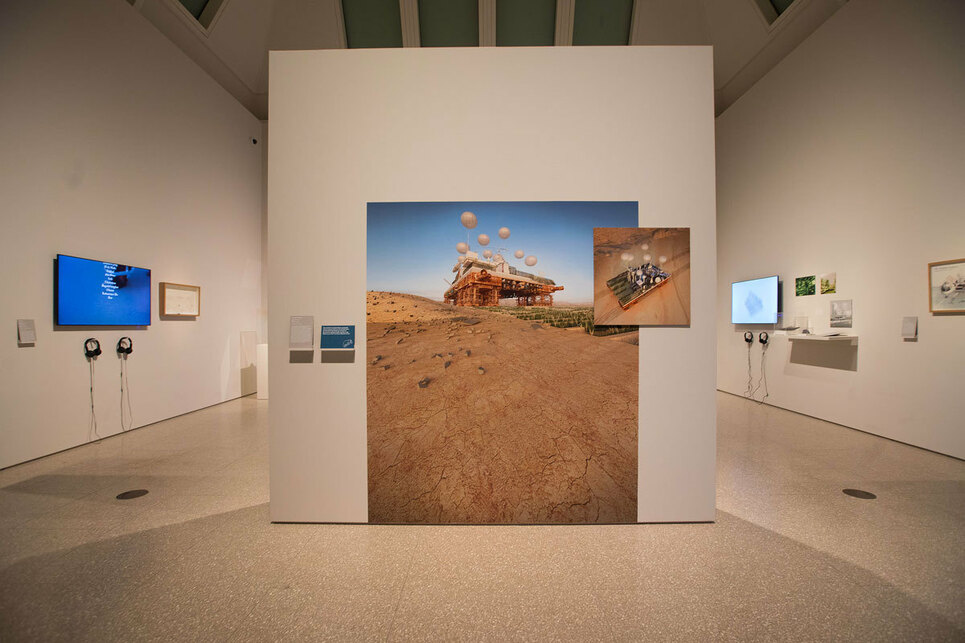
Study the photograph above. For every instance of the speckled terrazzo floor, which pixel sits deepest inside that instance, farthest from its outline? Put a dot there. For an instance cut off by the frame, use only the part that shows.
(790, 557)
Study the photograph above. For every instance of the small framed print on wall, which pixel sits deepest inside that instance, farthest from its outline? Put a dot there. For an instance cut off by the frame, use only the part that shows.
(946, 286)
(180, 300)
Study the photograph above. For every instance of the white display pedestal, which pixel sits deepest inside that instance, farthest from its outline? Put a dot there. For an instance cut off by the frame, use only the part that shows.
(261, 366)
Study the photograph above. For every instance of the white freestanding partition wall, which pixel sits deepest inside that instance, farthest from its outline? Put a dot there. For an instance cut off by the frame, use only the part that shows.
(577, 124)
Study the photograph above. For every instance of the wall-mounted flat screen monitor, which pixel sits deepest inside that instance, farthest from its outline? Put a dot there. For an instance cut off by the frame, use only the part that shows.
(754, 301)
(101, 293)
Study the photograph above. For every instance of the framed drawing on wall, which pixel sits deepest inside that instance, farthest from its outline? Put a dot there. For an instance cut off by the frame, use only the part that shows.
(946, 286)
(180, 300)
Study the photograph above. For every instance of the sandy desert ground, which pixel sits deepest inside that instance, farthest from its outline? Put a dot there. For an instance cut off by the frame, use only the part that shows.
(668, 305)
(479, 417)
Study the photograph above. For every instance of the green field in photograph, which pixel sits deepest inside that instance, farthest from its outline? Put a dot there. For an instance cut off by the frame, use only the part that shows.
(561, 317)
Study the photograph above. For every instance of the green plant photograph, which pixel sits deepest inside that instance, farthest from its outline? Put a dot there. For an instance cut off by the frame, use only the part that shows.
(804, 286)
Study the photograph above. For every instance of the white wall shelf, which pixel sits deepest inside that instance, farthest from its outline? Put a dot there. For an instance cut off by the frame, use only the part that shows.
(819, 338)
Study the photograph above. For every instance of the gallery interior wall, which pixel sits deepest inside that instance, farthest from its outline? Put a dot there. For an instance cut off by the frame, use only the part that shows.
(848, 157)
(352, 127)
(117, 147)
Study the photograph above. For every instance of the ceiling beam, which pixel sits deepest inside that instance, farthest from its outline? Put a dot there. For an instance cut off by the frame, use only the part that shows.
(409, 14)
(487, 23)
(565, 12)
(341, 38)
(636, 24)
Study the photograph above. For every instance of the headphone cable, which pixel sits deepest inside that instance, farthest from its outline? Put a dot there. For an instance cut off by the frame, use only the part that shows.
(763, 378)
(750, 377)
(764, 374)
(92, 425)
(126, 387)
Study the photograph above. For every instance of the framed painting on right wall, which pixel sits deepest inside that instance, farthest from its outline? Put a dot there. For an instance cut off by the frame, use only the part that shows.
(946, 286)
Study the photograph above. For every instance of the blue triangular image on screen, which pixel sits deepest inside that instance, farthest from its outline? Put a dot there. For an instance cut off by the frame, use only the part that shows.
(753, 303)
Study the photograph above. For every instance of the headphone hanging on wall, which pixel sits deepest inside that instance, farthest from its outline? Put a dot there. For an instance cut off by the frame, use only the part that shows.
(762, 338)
(748, 337)
(92, 348)
(125, 346)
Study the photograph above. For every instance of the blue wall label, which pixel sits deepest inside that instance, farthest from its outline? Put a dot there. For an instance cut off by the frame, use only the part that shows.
(338, 337)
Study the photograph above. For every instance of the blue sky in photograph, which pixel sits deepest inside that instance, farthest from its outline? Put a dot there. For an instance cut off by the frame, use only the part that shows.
(411, 247)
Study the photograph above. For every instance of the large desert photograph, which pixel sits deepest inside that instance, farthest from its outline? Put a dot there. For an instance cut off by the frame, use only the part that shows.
(492, 395)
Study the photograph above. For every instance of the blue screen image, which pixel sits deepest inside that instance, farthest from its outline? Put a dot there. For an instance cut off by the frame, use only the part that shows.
(101, 293)
(754, 301)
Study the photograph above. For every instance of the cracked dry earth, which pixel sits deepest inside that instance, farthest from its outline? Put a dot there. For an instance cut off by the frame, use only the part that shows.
(479, 417)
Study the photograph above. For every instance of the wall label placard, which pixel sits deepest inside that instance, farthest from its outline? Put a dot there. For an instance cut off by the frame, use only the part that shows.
(26, 331)
(334, 337)
(301, 332)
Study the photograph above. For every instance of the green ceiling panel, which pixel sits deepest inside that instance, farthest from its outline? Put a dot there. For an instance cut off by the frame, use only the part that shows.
(602, 22)
(525, 23)
(194, 7)
(371, 24)
(781, 5)
(449, 23)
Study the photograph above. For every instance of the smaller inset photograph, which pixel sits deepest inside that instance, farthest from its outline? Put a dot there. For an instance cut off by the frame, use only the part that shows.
(804, 286)
(946, 286)
(841, 312)
(829, 282)
(641, 276)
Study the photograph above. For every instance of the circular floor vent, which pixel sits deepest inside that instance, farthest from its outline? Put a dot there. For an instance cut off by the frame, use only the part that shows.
(133, 493)
(858, 493)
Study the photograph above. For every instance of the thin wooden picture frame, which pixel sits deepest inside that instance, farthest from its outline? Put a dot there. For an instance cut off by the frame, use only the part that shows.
(946, 286)
(179, 300)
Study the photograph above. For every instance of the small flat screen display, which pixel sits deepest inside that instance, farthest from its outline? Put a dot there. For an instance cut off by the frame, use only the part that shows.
(101, 293)
(754, 301)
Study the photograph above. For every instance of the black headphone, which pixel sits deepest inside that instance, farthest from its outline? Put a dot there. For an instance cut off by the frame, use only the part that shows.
(92, 348)
(125, 346)
(748, 337)
(762, 338)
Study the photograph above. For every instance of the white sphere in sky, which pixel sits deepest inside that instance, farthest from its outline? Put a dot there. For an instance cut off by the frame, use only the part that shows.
(645, 246)
(646, 258)
(462, 247)
(487, 253)
(504, 233)
(468, 219)
(662, 259)
(519, 254)
(483, 239)
(531, 260)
